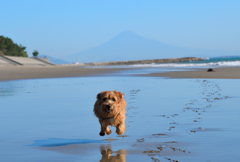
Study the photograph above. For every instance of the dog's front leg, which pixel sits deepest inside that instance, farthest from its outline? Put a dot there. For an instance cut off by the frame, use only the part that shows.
(120, 129)
(105, 130)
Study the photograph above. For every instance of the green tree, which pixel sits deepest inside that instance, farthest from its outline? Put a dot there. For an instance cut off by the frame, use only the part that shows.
(35, 53)
(9, 48)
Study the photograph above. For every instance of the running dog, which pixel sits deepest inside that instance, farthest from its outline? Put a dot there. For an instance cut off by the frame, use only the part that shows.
(110, 110)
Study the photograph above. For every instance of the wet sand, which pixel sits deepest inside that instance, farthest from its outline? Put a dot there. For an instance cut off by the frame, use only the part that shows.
(217, 73)
(166, 120)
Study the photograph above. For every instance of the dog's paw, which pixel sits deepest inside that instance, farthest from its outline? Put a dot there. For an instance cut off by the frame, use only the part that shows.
(109, 132)
(120, 132)
(102, 133)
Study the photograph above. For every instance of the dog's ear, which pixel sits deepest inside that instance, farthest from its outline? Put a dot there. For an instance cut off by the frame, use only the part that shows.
(119, 95)
(99, 96)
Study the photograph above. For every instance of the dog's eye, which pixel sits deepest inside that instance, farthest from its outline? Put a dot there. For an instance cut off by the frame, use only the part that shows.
(104, 99)
(113, 99)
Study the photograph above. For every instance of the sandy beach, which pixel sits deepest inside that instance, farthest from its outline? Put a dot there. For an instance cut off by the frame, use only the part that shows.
(35, 72)
(192, 119)
(217, 73)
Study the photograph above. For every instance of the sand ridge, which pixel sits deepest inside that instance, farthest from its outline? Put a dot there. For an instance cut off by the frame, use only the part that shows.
(36, 72)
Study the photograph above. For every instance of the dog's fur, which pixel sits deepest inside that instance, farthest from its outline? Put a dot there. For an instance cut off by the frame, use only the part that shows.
(110, 110)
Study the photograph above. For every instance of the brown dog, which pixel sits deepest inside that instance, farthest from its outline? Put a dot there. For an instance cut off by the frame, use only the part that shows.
(110, 110)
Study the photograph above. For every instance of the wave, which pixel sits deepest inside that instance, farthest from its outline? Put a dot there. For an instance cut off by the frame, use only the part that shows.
(183, 65)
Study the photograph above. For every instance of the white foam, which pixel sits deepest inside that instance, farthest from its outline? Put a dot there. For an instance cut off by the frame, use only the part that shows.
(211, 64)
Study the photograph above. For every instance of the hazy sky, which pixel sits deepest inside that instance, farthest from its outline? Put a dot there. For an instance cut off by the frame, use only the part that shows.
(62, 27)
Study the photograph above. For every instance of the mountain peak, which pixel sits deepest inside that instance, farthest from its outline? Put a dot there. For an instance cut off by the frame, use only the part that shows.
(127, 35)
(127, 45)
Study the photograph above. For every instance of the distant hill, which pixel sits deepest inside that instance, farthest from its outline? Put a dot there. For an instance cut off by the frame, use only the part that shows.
(130, 46)
(55, 60)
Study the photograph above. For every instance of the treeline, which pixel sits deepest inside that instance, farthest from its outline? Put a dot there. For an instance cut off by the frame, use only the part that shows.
(9, 48)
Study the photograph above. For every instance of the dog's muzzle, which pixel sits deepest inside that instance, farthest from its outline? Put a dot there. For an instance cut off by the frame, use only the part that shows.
(108, 108)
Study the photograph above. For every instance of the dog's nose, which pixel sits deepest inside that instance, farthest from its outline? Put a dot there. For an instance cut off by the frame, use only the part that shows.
(108, 106)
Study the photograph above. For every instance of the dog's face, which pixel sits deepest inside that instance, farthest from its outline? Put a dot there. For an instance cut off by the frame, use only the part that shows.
(109, 101)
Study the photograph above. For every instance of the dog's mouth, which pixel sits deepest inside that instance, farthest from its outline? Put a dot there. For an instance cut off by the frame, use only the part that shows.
(108, 108)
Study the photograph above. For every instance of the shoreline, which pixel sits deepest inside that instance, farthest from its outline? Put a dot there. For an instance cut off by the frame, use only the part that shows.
(8, 73)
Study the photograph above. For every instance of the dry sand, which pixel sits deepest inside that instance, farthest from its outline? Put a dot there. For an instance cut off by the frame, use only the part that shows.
(35, 72)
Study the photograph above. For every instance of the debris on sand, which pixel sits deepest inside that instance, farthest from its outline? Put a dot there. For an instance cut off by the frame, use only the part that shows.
(210, 70)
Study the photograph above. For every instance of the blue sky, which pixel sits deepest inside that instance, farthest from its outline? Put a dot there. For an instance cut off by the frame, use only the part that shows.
(63, 27)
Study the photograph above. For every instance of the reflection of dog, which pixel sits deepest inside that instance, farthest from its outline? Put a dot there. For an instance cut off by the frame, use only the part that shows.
(108, 155)
(110, 110)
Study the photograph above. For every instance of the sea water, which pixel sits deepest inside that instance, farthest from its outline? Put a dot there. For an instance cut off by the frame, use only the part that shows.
(177, 119)
(213, 62)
